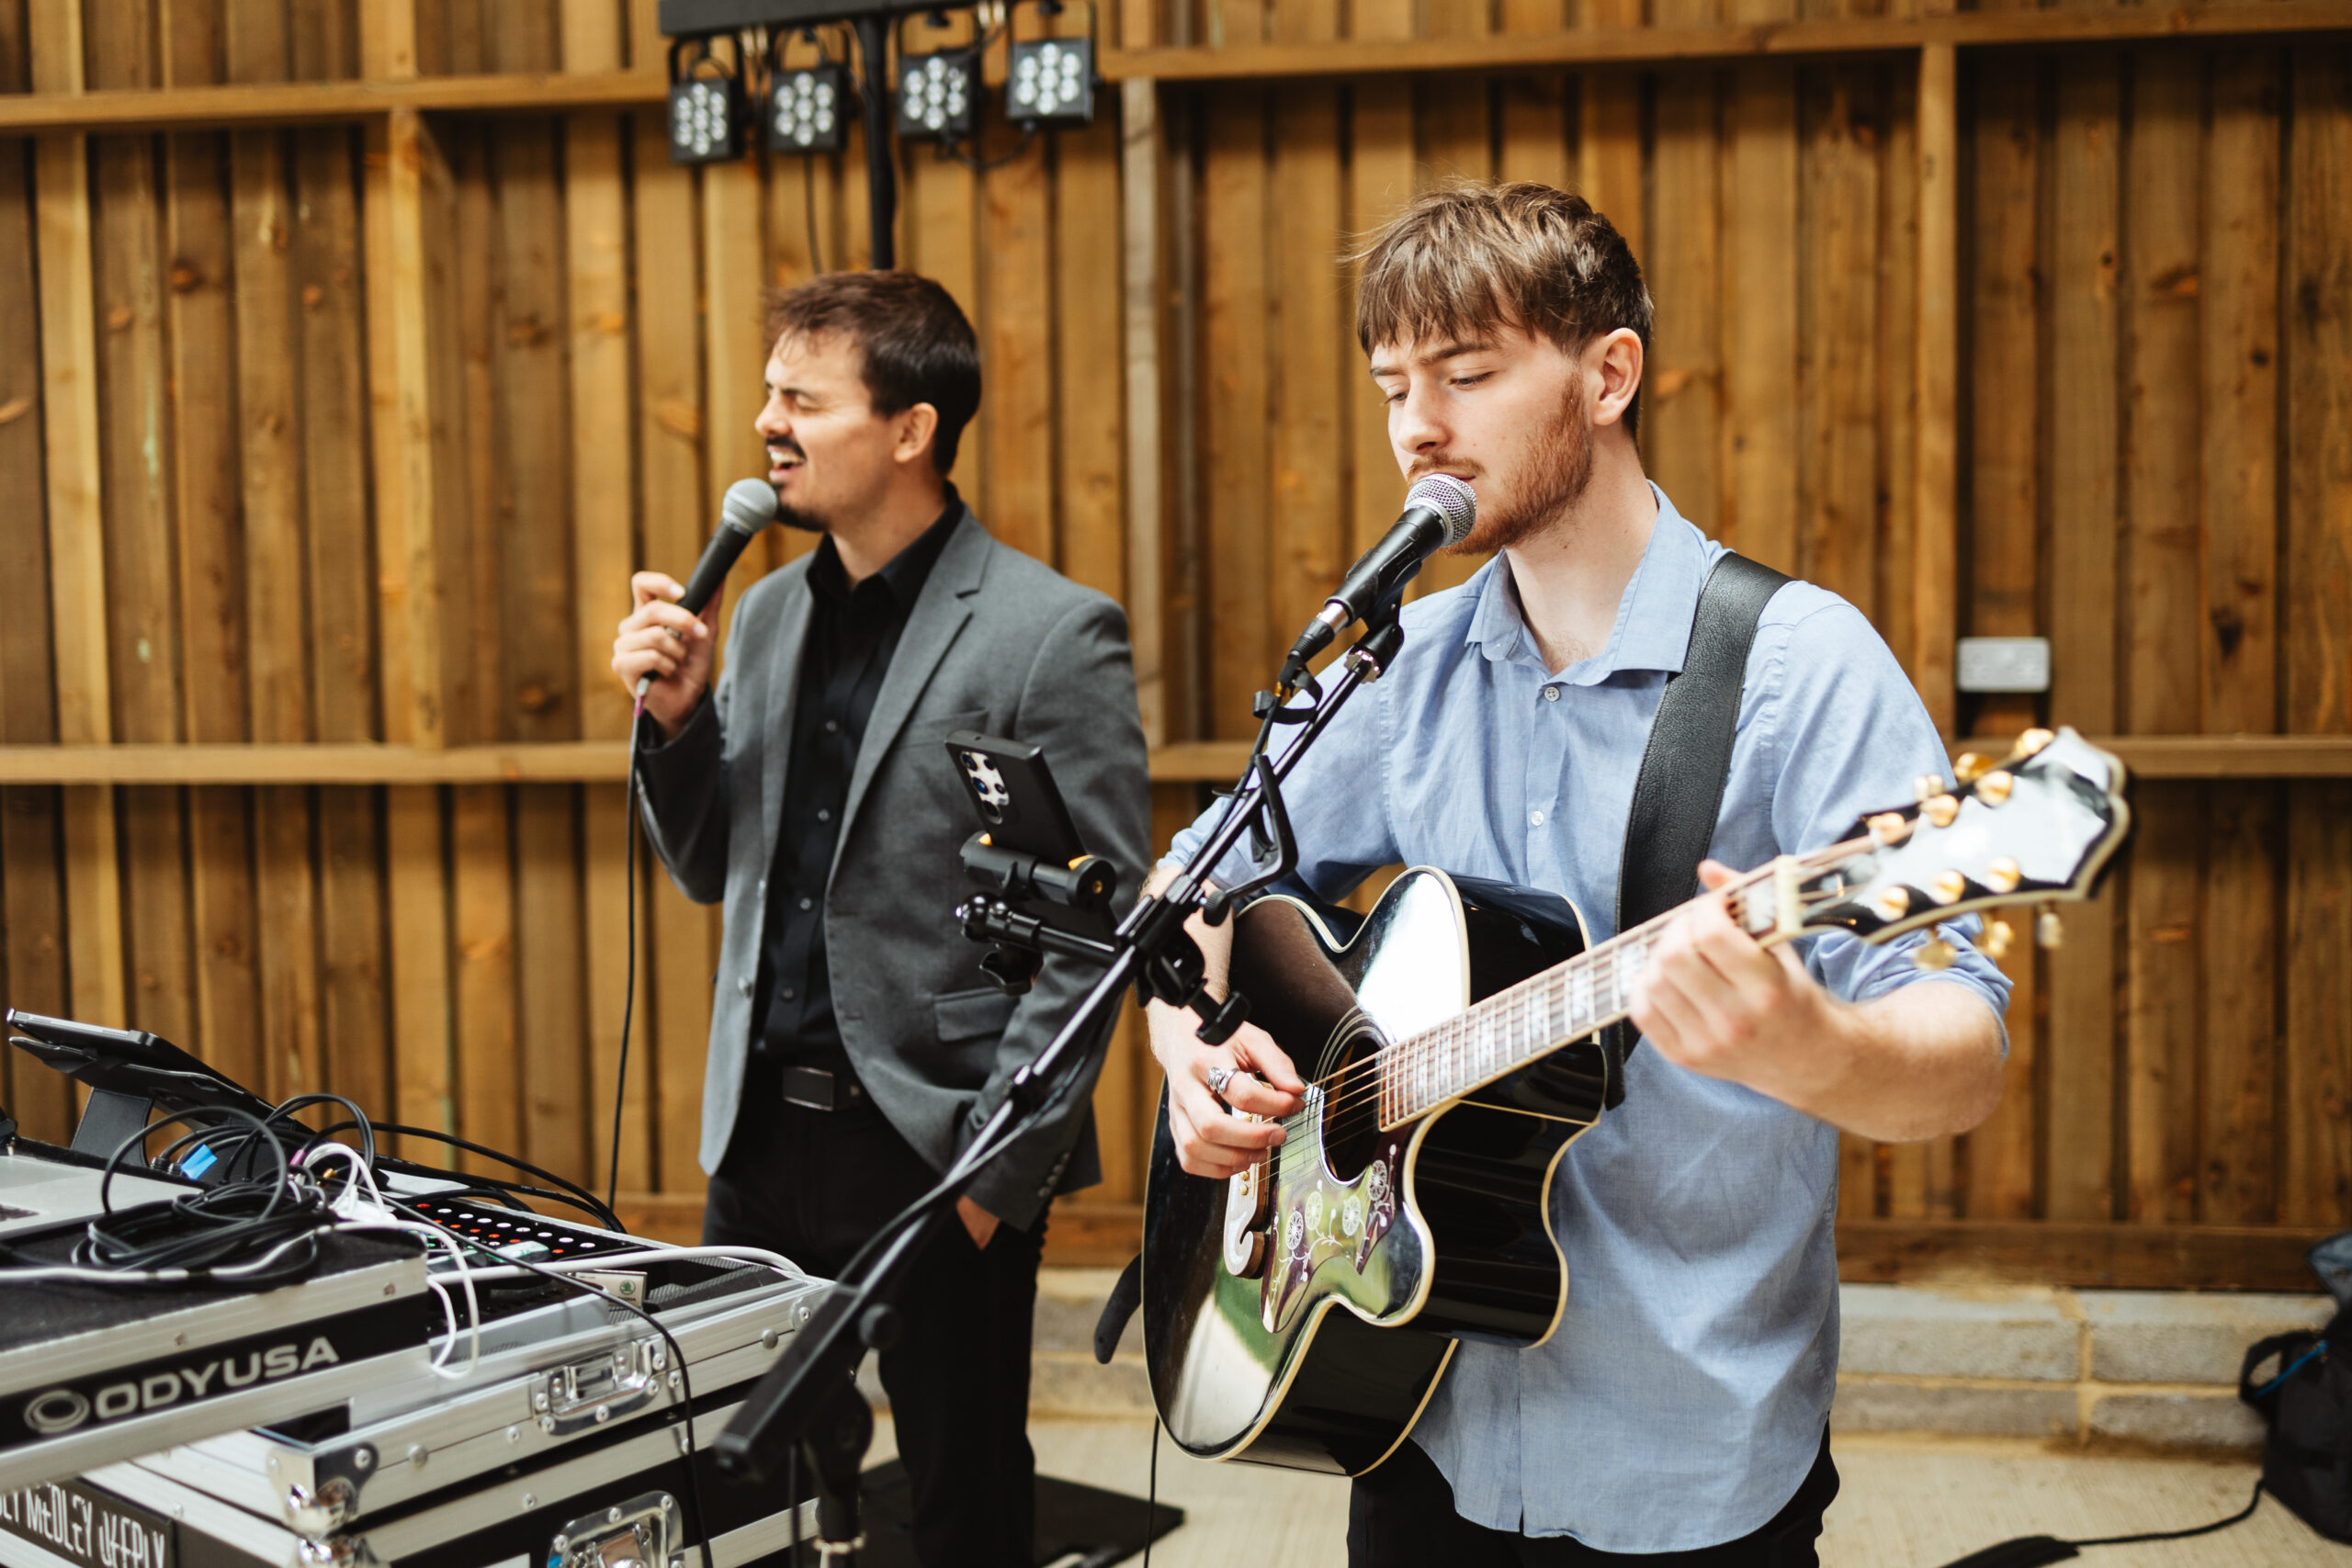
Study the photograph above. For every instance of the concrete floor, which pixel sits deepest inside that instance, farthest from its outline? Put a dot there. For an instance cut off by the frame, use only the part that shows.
(1905, 1503)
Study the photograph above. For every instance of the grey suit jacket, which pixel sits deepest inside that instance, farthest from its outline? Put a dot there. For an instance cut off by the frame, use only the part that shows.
(995, 642)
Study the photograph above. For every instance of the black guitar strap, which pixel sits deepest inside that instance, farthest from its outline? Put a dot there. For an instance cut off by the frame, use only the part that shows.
(1687, 763)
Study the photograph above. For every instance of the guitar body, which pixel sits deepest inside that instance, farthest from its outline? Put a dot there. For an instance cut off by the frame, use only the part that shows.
(1376, 1248)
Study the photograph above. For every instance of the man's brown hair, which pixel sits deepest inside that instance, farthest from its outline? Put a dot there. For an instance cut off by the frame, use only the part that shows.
(913, 337)
(1464, 262)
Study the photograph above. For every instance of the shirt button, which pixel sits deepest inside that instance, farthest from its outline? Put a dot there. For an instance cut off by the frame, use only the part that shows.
(743, 985)
(807, 904)
(1535, 818)
(1551, 693)
(832, 726)
(823, 814)
(786, 993)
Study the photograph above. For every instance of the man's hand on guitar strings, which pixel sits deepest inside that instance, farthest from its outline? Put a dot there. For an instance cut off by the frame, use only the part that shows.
(1715, 1001)
(1211, 1139)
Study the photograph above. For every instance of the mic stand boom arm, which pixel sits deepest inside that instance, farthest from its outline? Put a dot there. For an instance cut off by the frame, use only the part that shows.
(804, 1399)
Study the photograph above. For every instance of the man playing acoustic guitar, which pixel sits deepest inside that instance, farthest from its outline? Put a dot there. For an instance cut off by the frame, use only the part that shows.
(1678, 1411)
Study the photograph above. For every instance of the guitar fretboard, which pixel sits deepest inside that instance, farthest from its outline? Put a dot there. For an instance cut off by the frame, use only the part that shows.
(1513, 1028)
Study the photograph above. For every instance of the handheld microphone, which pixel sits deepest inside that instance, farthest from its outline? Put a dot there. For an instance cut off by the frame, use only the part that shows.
(1438, 512)
(750, 506)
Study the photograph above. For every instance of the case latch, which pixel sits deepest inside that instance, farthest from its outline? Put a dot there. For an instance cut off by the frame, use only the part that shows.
(639, 1533)
(591, 1393)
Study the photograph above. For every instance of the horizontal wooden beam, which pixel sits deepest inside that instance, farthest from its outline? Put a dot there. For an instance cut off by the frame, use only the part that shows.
(2112, 1257)
(1191, 762)
(311, 103)
(2115, 1257)
(302, 103)
(1642, 46)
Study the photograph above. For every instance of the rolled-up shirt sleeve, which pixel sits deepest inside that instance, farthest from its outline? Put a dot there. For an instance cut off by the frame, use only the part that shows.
(1849, 736)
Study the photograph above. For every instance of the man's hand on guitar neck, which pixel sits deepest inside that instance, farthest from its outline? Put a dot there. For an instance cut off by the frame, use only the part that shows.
(1919, 1062)
(1213, 1138)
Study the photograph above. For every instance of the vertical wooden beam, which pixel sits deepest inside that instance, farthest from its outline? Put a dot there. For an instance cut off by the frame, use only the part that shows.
(2237, 1099)
(1235, 456)
(604, 549)
(2315, 1169)
(1759, 306)
(2085, 250)
(1140, 152)
(69, 395)
(407, 179)
(1303, 218)
(1535, 132)
(1936, 388)
(2164, 189)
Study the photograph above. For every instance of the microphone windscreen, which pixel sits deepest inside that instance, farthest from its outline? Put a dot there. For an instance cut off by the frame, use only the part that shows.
(1449, 498)
(749, 505)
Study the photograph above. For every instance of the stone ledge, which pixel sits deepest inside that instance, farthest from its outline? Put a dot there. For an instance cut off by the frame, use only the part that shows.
(1890, 1405)
(2025, 1333)
(2143, 1336)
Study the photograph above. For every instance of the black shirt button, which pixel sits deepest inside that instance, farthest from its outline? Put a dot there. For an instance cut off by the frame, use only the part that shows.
(807, 904)
(823, 814)
(785, 993)
(832, 726)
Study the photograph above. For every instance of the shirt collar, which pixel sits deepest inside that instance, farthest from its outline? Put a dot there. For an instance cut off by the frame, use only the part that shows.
(904, 578)
(1654, 613)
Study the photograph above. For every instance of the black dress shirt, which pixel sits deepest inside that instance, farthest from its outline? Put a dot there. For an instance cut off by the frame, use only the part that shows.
(853, 636)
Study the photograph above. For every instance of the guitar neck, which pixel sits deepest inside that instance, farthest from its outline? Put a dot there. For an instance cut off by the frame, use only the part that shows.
(1513, 1028)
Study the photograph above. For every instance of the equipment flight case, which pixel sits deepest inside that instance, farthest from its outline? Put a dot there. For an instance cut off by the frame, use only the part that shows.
(563, 1445)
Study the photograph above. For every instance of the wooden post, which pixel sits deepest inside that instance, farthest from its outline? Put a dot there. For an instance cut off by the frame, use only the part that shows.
(1937, 557)
(76, 549)
(403, 164)
(1139, 213)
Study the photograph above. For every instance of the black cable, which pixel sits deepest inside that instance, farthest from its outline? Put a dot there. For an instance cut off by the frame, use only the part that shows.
(524, 1165)
(628, 995)
(206, 1235)
(2239, 1518)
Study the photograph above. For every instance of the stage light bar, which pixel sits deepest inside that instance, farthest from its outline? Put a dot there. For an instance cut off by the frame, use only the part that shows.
(707, 116)
(809, 108)
(939, 95)
(1050, 81)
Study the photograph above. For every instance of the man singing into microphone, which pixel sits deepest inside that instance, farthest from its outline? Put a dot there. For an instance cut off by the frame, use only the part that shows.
(1678, 1411)
(854, 1046)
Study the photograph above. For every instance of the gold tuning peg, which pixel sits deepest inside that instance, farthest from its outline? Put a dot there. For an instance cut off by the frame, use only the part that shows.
(2004, 875)
(1995, 787)
(2033, 740)
(1934, 954)
(1940, 809)
(1889, 828)
(2047, 929)
(1927, 786)
(1969, 765)
(1994, 943)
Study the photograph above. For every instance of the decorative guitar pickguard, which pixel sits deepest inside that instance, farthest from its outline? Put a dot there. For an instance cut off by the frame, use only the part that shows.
(1318, 1219)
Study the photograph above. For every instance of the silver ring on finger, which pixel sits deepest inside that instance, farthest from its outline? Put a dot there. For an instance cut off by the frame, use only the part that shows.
(1218, 1078)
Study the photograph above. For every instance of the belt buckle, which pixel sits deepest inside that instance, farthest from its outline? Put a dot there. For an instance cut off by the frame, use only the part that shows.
(803, 1085)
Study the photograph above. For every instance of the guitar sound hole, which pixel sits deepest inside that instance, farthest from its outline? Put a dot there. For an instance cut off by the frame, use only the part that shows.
(1351, 1110)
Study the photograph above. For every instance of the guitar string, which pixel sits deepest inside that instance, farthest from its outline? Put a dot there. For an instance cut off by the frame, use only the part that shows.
(1425, 1069)
(1481, 1046)
(1436, 1056)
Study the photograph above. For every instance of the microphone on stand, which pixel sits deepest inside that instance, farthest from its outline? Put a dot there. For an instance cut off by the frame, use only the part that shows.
(1438, 512)
(750, 506)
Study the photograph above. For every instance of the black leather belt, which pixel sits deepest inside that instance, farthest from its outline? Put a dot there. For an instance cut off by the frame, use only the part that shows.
(815, 1088)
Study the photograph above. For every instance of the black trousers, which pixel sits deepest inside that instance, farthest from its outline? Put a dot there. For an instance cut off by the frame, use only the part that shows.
(1402, 1513)
(814, 1184)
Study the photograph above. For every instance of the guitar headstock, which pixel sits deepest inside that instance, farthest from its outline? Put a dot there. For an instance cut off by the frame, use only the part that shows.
(2037, 827)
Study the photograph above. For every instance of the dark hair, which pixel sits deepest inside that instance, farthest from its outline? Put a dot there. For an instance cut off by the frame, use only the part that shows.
(1462, 262)
(915, 343)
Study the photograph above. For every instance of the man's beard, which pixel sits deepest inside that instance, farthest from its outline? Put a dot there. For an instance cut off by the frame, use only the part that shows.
(807, 522)
(1557, 470)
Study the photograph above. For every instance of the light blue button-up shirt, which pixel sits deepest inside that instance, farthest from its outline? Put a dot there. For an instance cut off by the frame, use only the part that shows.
(1681, 1399)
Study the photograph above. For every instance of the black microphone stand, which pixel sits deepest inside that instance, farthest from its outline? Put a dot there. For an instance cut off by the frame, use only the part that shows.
(809, 1400)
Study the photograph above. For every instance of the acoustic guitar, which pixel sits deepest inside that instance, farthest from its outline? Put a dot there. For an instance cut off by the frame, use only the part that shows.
(1300, 1314)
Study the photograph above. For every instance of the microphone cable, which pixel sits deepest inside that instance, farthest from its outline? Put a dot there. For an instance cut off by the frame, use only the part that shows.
(629, 969)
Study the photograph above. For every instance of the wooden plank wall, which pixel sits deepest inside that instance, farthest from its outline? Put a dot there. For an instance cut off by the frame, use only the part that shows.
(279, 509)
